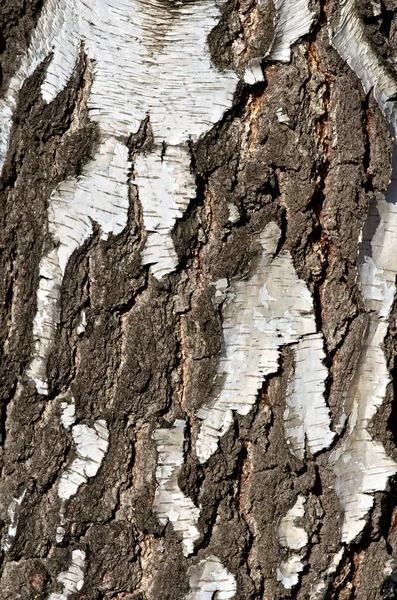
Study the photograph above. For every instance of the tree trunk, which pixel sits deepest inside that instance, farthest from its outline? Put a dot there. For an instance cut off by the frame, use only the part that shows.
(199, 225)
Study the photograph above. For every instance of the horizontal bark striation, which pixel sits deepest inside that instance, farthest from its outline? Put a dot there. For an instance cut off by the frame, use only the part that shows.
(302, 150)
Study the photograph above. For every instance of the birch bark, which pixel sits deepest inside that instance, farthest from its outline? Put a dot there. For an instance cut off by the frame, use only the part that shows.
(198, 314)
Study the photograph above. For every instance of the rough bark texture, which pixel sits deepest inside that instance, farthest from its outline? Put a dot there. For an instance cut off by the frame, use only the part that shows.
(135, 361)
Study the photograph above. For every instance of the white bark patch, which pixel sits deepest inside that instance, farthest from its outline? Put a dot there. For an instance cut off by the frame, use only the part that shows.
(294, 20)
(294, 538)
(72, 580)
(234, 213)
(100, 194)
(158, 57)
(221, 286)
(378, 268)
(388, 568)
(60, 533)
(68, 418)
(166, 187)
(272, 308)
(289, 571)
(45, 320)
(210, 579)
(376, 8)
(361, 464)
(253, 72)
(13, 515)
(170, 503)
(291, 535)
(68, 415)
(306, 415)
(82, 324)
(64, 46)
(282, 117)
(91, 447)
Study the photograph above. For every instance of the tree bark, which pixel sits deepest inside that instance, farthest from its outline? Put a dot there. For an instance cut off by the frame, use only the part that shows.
(198, 317)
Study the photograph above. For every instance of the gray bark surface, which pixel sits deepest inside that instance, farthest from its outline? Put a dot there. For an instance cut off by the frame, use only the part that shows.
(150, 349)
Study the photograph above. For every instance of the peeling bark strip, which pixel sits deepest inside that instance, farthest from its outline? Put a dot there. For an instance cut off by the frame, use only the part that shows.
(350, 41)
(166, 187)
(91, 446)
(71, 580)
(68, 416)
(197, 363)
(209, 579)
(271, 309)
(169, 502)
(294, 538)
(361, 464)
(294, 19)
(306, 415)
(100, 194)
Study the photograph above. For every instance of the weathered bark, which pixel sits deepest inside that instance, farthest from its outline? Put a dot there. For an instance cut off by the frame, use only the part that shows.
(198, 311)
